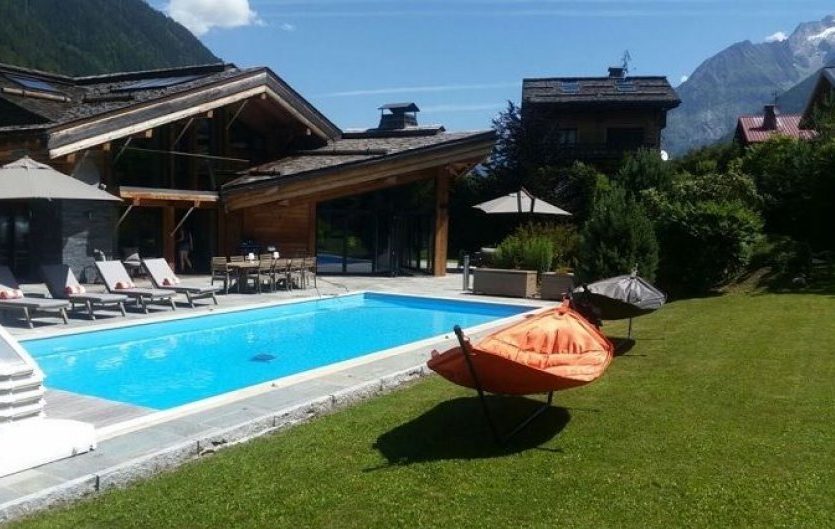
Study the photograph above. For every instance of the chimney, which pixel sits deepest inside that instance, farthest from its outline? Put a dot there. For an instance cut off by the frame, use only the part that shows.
(617, 72)
(395, 116)
(770, 117)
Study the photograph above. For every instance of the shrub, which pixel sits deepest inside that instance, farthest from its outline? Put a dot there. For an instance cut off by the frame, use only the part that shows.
(528, 253)
(644, 169)
(786, 176)
(707, 227)
(710, 159)
(785, 257)
(564, 238)
(617, 237)
(572, 188)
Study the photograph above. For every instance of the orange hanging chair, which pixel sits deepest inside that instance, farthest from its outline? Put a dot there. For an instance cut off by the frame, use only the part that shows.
(547, 352)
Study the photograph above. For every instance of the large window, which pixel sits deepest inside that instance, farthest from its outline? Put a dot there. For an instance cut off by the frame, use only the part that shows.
(388, 231)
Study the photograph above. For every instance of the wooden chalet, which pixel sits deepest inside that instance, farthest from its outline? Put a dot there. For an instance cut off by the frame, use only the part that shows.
(822, 96)
(596, 119)
(233, 156)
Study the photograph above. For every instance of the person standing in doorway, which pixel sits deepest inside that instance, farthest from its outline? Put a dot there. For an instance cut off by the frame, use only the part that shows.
(185, 243)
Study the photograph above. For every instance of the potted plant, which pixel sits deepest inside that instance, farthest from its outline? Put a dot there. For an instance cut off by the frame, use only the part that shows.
(517, 263)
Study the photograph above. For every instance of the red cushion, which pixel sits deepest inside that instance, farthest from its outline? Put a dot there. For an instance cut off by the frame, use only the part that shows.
(11, 294)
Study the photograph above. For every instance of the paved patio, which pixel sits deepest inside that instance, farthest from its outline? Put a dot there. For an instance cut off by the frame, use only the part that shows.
(49, 324)
(137, 442)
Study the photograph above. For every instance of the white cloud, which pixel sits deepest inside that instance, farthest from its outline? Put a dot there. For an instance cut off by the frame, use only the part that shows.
(684, 78)
(780, 36)
(287, 27)
(199, 16)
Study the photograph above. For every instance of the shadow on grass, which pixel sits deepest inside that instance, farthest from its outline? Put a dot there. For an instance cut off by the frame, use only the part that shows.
(819, 280)
(622, 345)
(457, 429)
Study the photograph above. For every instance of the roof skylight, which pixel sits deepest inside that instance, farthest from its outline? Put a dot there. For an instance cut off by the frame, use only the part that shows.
(32, 83)
(569, 87)
(157, 82)
(625, 86)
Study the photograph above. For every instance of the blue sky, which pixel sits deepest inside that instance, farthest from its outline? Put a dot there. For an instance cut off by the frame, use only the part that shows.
(461, 60)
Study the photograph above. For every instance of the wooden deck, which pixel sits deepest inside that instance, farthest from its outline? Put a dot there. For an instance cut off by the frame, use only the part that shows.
(99, 412)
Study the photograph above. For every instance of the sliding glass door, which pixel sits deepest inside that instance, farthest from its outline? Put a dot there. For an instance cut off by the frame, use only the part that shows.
(384, 232)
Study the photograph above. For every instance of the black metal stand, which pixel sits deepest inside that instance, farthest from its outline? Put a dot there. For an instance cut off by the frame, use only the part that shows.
(498, 437)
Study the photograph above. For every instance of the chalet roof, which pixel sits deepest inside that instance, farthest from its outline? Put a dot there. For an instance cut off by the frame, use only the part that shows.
(826, 76)
(643, 91)
(346, 152)
(752, 130)
(54, 102)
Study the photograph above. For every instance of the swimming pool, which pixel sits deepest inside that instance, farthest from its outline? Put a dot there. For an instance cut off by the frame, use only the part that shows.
(167, 364)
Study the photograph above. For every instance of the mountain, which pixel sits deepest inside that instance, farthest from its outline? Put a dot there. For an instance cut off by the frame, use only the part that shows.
(744, 77)
(86, 37)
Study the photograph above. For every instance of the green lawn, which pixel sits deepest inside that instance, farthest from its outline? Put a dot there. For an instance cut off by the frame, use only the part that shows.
(721, 415)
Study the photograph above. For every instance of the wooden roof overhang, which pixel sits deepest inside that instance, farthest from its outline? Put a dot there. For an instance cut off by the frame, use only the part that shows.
(823, 88)
(159, 197)
(103, 128)
(352, 178)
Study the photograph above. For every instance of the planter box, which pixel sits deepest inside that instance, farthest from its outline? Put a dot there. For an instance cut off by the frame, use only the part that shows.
(555, 286)
(498, 282)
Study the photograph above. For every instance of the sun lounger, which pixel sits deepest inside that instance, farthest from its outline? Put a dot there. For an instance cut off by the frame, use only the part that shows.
(165, 279)
(12, 299)
(62, 284)
(117, 281)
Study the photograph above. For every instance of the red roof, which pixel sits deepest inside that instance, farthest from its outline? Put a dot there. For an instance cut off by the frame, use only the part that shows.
(752, 130)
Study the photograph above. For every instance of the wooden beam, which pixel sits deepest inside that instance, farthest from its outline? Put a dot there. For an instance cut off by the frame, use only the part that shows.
(441, 238)
(154, 203)
(207, 198)
(179, 136)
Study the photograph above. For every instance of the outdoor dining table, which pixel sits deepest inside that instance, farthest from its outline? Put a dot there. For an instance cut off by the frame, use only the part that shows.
(242, 269)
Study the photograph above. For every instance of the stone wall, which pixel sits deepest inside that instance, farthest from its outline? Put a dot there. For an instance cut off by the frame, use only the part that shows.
(85, 226)
(44, 237)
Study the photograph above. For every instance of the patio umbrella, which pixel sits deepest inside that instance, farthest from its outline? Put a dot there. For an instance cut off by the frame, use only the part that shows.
(620, 298)
(520, 202)
(26, 179)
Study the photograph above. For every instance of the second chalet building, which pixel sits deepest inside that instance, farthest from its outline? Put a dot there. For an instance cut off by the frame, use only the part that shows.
(234, 156)
(596, 119)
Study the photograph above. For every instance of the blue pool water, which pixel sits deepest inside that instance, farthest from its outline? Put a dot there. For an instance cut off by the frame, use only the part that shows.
(167, 364)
